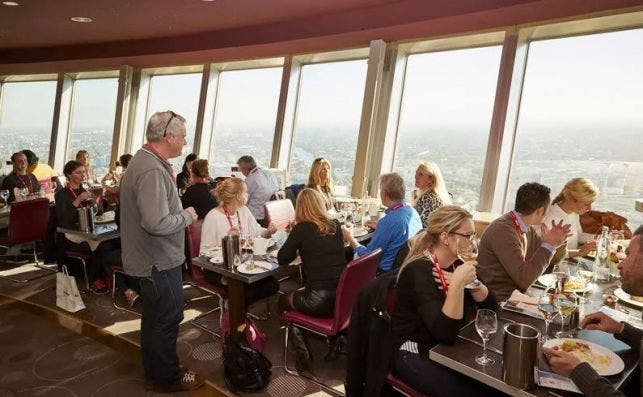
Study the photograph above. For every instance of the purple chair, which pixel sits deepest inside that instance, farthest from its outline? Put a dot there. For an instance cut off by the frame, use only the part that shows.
(28, 222)
(198, 279)
(356, 274)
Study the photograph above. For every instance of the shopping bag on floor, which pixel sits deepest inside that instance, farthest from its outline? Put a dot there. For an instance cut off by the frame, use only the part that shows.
(67, 294)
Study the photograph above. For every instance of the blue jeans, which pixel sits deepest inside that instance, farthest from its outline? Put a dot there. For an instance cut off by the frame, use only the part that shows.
(162, 298)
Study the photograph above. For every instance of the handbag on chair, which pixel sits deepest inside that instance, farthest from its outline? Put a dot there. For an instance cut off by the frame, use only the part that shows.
(67, 294)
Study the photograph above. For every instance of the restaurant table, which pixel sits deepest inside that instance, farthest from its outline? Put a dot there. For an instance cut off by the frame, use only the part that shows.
(236, 285)
(102, 232)
(460, 356)
(4, 212)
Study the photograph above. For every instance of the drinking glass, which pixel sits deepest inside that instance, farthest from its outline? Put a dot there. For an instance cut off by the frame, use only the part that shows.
(86, 185)
(5, 195)
(566, 305)
(468, 252)
(586, 276)
(24, 192)
(486, 325)
(548, 311)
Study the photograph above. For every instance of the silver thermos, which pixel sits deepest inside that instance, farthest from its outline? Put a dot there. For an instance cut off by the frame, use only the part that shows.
(519, 354)
(231, 251)
(86, 219)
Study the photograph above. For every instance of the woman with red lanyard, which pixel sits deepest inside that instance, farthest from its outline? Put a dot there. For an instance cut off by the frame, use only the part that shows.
(232, 216)
(432, 304)
(68, 200)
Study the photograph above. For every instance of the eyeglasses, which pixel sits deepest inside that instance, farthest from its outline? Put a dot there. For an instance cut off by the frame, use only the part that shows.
(168, 122)
(467, 236)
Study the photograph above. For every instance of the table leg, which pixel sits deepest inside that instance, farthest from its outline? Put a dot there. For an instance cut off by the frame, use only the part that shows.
(237, 307)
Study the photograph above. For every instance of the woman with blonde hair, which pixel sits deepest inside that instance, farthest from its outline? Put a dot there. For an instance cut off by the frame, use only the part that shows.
(318, 241)
(574, 200)
(82, 156)
(321, 180)
(231, 216)
(430, 309)
(431, 192)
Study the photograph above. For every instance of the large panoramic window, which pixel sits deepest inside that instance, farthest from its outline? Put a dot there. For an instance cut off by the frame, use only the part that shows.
(179, 93)
(245, 120)
(446, 114)
(92, 122)
(328, 116)
(26, 114)
(582, 116)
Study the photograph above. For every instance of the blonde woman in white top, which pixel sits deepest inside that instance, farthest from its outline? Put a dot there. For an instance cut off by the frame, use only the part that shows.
(575, 199)
(232, 216)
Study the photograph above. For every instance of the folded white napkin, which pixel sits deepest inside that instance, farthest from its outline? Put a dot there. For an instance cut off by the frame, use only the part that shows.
(524, 302)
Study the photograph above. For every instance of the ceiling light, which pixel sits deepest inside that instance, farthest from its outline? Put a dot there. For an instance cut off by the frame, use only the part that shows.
(10, 3)
(81, 19)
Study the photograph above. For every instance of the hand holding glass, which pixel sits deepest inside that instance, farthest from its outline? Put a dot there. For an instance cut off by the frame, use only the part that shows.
(468, 252)
(486, 325)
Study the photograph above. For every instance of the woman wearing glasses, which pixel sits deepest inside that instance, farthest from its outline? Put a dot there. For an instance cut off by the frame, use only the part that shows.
(321, 180)
(432, 303)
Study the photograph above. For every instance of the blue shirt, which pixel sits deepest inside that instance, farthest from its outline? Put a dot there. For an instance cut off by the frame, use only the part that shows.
(262, 184)
(395, 229)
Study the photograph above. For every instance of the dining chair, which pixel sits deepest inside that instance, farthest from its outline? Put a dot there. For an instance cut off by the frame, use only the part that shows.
(119, 270)
(198, 279)
(279, 212)
(28, 222)
(355, 275)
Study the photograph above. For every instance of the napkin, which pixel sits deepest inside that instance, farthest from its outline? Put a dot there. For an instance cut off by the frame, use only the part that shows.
(526, 303)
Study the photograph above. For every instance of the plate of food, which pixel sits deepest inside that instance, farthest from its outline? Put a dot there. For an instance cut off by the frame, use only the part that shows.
(573, 284)
(631, 299)
(603, 360)
(106, 217)
(255, 268)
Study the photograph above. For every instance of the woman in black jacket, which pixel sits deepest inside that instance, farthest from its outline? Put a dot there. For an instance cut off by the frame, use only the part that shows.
(318, 241)
(430, 310)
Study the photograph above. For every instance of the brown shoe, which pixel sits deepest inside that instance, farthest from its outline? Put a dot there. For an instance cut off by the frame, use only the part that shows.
(189, 381)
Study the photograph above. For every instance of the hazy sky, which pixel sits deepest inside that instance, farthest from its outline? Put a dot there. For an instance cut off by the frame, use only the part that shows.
(589, 79)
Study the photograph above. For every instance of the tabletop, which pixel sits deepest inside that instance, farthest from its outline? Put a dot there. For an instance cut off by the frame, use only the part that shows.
(461, 356)
(221, 269)
(102, 232)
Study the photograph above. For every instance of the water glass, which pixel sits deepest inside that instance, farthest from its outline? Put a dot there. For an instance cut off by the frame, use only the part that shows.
(486, 325)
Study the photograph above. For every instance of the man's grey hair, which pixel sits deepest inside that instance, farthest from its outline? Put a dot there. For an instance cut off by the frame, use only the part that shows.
(247, 162)
(393, 185)
(162, 123)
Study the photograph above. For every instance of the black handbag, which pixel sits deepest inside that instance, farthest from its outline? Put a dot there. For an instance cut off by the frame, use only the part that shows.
(245, 369)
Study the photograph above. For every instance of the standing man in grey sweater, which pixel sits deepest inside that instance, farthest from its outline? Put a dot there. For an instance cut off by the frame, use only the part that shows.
(153, 226)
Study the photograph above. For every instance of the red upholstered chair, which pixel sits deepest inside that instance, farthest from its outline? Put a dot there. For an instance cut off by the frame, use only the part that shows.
(28, 222)
(356, 274)
(198, 279)
(83, 257)
(280, 212)
(402, 387)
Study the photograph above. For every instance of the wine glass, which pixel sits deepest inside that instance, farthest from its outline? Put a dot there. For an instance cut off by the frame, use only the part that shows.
(86, 185)
(5, 195)
(486, 325)
(586, 276)
(469, 252)
(548, 311)
(566, 305)
(24, 192)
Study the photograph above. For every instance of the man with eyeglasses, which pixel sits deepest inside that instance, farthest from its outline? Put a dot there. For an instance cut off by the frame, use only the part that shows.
(512, 255)
(153, 224)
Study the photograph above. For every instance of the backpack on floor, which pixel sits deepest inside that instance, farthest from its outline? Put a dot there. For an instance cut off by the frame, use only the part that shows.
(245, 369)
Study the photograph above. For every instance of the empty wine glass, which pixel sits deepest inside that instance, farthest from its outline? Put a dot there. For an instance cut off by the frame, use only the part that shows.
(486, 325)
(468, 252)
(86, 185)
(548, 311)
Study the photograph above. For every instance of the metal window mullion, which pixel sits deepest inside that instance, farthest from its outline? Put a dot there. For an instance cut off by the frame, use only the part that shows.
(61, 121)
(286, 120)
(210, 98)
(121, 115)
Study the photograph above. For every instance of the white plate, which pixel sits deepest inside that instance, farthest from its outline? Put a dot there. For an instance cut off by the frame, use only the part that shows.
(360, 231)
(549, 280)
(243, 268)
(218, 259)
(107, 217)
(615, 366)
(624, 296)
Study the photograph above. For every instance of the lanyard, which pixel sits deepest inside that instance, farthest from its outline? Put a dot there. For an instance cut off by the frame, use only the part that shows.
(438, 270)
(72, 192)
(225, 210)
(520, 235)
(24, 184)
(395, 207)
